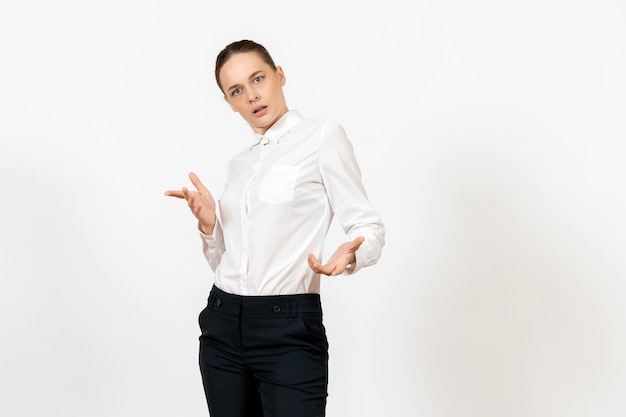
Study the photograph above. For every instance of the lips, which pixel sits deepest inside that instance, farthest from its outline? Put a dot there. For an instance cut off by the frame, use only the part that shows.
(258, 109)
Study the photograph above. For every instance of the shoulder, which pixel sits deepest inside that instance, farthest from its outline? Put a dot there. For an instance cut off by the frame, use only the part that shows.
(324, 129)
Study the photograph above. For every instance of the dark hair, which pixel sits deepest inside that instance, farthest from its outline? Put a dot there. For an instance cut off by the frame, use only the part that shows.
(239, 47)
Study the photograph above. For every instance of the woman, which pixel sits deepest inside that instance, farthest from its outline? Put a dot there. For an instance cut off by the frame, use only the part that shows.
(263, 348)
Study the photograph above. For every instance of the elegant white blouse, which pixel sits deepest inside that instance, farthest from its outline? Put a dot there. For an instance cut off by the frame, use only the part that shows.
(280, 197)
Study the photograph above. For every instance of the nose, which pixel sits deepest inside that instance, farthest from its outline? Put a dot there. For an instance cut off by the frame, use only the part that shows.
(253, 96)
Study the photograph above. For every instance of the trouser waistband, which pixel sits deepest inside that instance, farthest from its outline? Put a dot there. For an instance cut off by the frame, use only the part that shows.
(277, 306)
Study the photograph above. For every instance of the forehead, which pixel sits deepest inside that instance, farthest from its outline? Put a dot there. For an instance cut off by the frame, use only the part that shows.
(241, 66)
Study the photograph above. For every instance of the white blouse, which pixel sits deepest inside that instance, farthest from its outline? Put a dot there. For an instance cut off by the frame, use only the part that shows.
(279, 200)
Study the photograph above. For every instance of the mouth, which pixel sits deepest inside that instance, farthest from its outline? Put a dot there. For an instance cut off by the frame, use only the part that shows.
(259, 110)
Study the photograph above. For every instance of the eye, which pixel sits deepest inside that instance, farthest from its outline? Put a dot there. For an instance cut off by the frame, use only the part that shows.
(236, 92)
(258, 79)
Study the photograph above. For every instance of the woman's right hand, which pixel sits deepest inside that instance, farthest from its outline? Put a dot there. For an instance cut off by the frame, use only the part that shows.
(200, 202)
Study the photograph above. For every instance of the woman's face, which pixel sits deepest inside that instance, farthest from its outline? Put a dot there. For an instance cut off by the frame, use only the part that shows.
(254, 90)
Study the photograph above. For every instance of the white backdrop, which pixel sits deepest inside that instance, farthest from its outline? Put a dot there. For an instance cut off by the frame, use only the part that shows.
(491, 139)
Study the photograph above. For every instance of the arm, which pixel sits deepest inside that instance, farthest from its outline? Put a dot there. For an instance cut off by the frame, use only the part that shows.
(364, 229)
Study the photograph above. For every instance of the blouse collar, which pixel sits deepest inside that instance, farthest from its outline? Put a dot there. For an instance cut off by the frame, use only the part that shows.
(279, 129)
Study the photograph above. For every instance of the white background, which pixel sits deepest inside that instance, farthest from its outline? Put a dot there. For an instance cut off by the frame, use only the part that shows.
(491, 139)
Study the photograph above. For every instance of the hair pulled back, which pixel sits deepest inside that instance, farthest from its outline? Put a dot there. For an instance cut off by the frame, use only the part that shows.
(238, 47)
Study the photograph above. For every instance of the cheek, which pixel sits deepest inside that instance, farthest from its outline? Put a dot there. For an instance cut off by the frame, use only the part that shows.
(234, 103)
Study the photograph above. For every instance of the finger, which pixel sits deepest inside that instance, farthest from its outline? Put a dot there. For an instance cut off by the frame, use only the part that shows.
(174, 193)
(191, 197)
(356, 243)
(194, 200)
(315, 265)
(186, 194)
(197, 183)
(312, 260)
(325, 270)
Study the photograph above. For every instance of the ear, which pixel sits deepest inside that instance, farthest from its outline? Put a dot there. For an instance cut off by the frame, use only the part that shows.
(231, 106)
(281, 75)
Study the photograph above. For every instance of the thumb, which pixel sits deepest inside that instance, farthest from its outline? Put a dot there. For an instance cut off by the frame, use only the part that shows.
(356, 243)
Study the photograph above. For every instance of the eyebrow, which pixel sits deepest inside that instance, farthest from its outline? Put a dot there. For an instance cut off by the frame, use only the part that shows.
(253, 76)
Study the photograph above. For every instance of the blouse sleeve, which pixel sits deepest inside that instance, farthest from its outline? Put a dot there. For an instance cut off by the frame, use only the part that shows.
(213, 246)
(347, 196)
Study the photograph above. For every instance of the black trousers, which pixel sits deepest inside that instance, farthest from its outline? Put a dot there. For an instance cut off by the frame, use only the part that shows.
(264, 355)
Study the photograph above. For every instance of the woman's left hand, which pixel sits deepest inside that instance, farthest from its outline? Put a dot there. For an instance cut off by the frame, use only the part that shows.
(343, 256)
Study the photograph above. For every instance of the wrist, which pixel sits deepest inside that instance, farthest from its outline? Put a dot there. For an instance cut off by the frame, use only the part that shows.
(207, 229)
